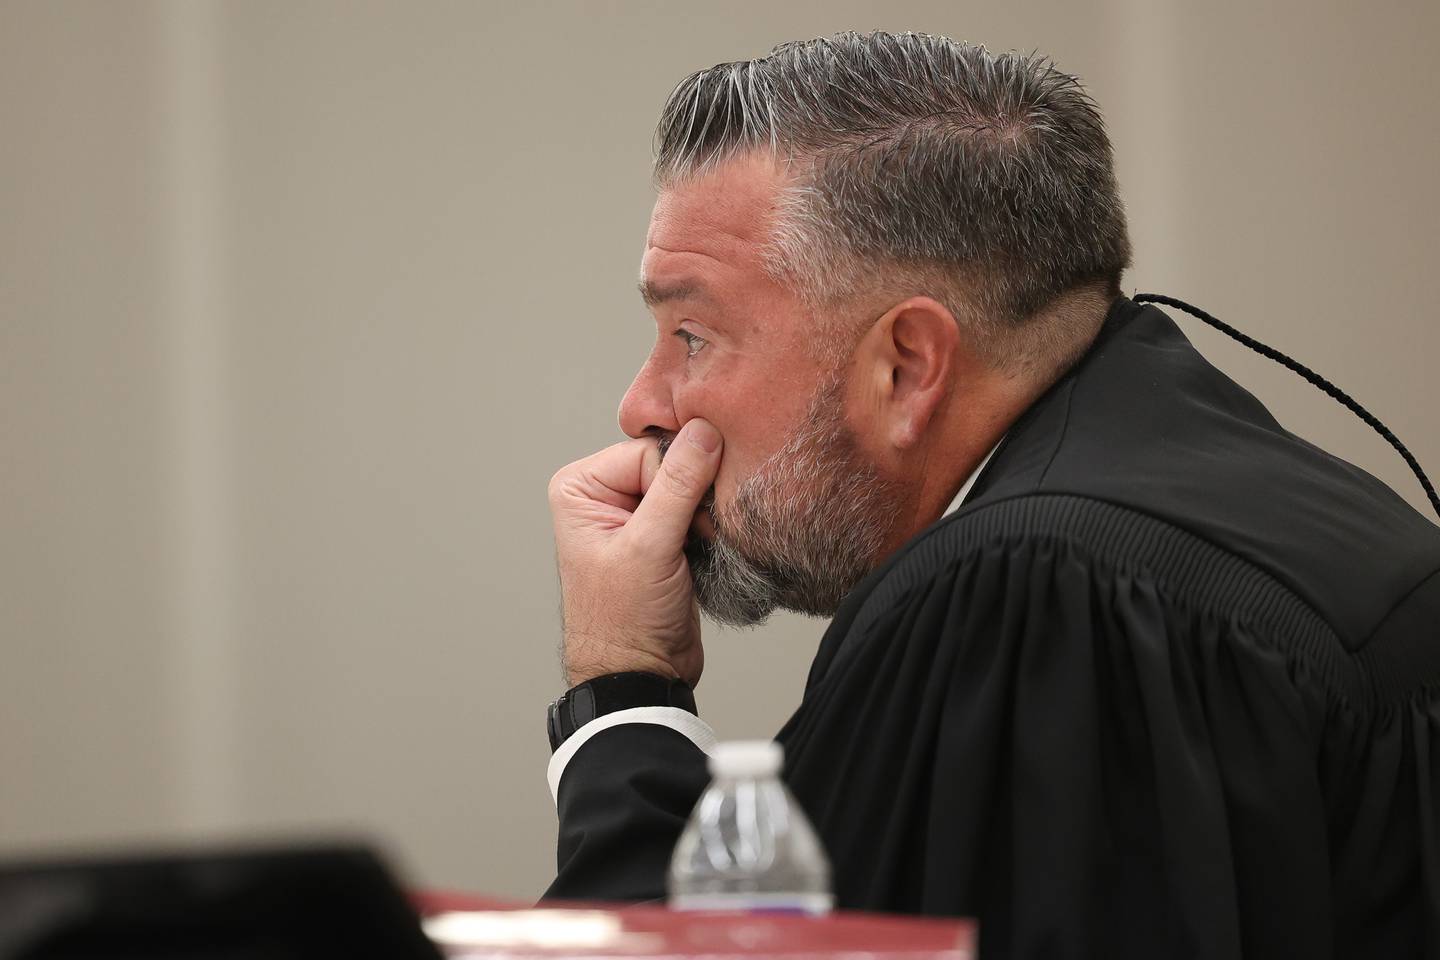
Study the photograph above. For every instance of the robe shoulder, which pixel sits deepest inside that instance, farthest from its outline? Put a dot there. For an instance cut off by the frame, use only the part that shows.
(1080, 723)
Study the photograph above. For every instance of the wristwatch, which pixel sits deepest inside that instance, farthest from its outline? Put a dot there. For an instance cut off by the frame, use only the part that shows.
(616, 691)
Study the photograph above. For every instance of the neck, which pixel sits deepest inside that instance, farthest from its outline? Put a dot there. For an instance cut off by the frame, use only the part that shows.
(944, 466)
(983, 407)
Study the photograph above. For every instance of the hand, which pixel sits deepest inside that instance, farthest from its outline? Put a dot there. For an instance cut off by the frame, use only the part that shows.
(621, 518)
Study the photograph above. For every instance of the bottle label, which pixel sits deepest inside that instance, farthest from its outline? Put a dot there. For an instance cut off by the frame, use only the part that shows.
(813, 904)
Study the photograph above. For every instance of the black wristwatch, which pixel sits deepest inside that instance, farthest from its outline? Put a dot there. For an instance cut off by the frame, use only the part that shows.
(616, 691)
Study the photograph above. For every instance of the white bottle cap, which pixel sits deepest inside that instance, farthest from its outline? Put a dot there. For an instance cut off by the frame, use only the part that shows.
(747, 758)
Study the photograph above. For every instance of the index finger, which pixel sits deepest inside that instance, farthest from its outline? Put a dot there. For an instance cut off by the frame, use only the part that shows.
(615, 475)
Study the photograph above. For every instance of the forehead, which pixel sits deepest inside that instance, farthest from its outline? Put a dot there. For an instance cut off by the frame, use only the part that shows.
(723, 215)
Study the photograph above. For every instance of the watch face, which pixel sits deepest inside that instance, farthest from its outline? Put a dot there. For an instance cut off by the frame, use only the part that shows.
(552, 724)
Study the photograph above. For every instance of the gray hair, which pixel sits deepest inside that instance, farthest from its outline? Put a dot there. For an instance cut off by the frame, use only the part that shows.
(919, 165)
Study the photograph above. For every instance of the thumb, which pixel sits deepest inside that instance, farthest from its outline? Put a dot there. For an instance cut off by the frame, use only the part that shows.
(663, 517)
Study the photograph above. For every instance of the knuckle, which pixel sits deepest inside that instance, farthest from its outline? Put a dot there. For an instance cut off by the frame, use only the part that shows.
(558, 482)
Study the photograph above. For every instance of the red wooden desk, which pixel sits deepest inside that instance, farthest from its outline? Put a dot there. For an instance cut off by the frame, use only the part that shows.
(476, 927)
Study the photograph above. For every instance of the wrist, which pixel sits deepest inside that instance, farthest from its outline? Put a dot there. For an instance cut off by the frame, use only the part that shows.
(633, 662)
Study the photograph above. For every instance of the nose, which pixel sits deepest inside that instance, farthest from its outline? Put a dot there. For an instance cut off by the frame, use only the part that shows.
(648, 406)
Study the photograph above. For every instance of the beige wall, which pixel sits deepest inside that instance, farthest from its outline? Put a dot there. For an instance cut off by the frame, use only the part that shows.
(302, 303)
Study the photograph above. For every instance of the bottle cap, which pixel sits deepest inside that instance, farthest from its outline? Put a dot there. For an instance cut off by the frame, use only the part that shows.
(747, 758)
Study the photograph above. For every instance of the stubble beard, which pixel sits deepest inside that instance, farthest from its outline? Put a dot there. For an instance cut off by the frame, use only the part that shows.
(801, 531)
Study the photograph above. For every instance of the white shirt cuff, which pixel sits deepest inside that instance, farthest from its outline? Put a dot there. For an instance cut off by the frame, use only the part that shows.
(682, 721)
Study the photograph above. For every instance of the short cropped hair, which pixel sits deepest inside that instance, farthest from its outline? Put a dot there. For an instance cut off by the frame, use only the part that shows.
(920, 165)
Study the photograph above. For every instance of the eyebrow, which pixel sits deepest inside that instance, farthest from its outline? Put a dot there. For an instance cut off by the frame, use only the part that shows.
(655, 294)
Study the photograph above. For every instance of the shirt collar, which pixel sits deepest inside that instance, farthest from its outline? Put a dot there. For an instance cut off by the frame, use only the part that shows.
(970, 481)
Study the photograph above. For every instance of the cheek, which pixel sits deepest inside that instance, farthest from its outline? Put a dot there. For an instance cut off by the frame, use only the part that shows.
(695, 399)
(755, 405)
(751, 431)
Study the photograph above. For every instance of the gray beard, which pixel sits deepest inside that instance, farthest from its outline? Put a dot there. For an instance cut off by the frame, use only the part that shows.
(802, 530)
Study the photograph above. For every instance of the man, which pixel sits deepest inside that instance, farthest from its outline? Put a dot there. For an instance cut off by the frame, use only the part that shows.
(1117, 664)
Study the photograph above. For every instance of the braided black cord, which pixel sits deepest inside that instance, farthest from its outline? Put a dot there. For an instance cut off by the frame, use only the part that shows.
(1310, 375)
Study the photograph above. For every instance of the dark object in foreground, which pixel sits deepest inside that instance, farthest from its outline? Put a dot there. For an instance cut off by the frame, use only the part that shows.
(265, 904)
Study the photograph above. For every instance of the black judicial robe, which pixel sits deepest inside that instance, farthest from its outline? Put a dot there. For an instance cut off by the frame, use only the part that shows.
(1166, 685)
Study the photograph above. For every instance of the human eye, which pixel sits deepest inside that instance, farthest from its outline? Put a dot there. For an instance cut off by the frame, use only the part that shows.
(693, 344)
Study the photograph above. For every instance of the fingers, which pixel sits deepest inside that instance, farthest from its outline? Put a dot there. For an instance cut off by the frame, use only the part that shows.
(663, 517)
(613, 476)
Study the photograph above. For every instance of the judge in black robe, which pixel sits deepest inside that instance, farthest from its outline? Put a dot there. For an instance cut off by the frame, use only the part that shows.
(1166, 685)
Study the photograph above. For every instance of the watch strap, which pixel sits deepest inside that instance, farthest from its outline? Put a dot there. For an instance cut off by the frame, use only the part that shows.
(610, 693)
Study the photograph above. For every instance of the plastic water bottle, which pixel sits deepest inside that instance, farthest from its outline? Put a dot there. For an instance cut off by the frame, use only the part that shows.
(747, 845)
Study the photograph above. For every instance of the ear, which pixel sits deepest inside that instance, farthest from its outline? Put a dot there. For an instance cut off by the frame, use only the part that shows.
(910, 357)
